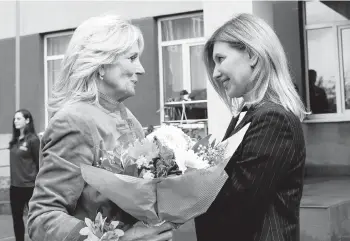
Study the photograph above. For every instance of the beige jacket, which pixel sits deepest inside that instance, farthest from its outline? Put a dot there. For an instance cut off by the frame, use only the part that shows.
(61, 198)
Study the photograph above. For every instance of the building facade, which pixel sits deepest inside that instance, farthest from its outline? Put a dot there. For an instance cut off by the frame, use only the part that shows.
(315, 35)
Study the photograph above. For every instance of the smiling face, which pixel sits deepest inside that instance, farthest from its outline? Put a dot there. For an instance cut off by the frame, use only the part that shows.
(119, 79)
(233, 69)
(19, 121)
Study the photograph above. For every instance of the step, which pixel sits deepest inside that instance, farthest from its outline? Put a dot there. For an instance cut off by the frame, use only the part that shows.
(4, 188)
(4, 194)
(5, 208)
(325, 211)
(6, 228)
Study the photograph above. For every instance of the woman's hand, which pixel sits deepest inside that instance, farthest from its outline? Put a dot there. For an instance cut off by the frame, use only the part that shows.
(140, 232)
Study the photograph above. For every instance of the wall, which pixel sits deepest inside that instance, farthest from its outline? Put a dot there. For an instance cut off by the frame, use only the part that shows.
(7, 19)
(327, 149)
(286, 26)
(327, 143)
(58, 15)
(145, 103)
(32, 78)
(265, 10)
(7, 98)
(7, 84)
(31, 88)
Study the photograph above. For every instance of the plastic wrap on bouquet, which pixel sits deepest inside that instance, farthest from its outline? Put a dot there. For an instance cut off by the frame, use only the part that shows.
(185, 197)
(176, 199)
(134, 195)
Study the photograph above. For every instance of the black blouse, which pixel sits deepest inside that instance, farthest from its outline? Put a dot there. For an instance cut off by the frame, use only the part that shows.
(24, 161)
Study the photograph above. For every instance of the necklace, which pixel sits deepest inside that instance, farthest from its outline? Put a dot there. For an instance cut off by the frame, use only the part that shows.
(123, 114)
(108, 99)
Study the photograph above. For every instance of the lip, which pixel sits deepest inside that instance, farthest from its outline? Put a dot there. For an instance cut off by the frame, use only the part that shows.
(224, 83)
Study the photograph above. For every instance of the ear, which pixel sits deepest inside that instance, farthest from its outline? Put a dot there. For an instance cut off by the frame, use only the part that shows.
(101, 71)
(253, 58)
(27, 121)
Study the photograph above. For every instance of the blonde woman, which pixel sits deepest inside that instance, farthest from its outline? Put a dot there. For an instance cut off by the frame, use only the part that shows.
(99, 71)
(260, 201)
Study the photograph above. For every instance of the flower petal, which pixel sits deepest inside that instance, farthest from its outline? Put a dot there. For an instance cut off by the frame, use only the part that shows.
(92, 237)
(84, 231)
(119, 232)
(114, 224)
(88, 223)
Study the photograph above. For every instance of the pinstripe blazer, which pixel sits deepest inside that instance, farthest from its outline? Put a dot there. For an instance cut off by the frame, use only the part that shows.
(261, 198)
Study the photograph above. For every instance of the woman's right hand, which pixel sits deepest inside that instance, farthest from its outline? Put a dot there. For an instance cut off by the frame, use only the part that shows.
(140, 232)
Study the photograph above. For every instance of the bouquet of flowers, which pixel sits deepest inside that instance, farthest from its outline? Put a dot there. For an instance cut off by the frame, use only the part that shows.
(164, 177)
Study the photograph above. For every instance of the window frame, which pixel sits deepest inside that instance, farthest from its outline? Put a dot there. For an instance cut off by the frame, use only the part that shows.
(185, 44)
(46, 59)
(342, 115)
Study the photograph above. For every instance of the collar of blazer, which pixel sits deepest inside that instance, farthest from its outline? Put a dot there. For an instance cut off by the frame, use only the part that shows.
(234, 126)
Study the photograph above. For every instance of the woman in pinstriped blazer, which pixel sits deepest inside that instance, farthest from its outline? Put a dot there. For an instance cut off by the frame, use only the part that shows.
(260, 200)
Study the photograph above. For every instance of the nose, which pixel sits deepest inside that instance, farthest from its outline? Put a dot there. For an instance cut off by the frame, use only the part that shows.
(140, 69)
(216, 74)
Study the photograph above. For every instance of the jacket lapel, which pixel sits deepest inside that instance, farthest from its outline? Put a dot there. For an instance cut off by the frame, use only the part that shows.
(246, 119)
(230, 127)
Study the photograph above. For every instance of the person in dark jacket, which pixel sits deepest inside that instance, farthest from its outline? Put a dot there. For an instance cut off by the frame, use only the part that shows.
(318, 96)
(260, 200)
(24, 166)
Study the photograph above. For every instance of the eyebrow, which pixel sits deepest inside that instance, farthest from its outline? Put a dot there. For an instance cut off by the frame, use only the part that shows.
(134, 53)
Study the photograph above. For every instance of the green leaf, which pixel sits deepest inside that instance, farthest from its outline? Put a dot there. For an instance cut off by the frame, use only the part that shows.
(213, 143)
(112, 165)
(131, 170)
(203, 142)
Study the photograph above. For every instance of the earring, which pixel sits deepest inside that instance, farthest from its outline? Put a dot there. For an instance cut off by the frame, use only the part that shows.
(101, 77)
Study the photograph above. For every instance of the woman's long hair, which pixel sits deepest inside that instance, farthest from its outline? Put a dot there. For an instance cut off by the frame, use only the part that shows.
(29, 129)
(96, 42)
(271, 79)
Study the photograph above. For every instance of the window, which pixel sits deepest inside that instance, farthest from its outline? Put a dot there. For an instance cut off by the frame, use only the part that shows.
(183, 80)
(55, 46)
(327, 34)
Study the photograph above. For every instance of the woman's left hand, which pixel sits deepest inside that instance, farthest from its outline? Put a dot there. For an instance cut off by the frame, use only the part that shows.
(140, 232)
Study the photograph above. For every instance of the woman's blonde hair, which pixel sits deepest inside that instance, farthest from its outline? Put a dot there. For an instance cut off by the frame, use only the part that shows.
(271, 79)
(96, 42)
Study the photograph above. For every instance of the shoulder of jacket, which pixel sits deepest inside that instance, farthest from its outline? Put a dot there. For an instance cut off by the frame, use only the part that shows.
(79, 111)
(78, 114)
(33, 137)
(273, 110)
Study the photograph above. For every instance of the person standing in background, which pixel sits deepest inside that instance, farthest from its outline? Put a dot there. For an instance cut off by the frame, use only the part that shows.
(24, 166)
